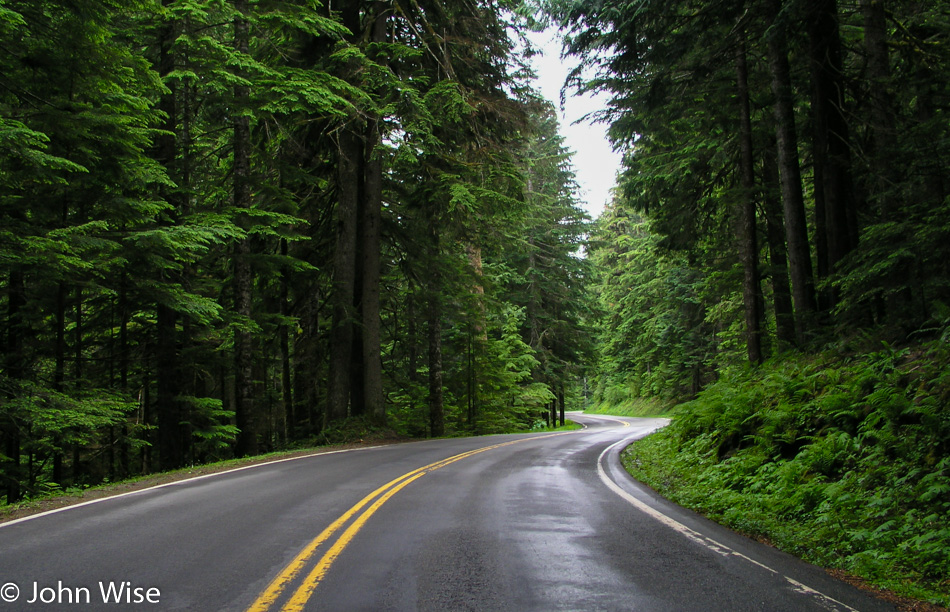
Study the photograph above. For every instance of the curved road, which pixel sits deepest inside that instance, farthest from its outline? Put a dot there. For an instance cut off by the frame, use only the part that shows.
(518, 522)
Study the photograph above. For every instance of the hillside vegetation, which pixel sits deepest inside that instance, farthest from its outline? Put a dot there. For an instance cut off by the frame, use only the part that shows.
(840, 460)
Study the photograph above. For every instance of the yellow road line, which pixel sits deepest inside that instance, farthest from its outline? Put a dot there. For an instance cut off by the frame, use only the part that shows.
(276, 587)
(603, 418)
(269, 595)
(300, 597)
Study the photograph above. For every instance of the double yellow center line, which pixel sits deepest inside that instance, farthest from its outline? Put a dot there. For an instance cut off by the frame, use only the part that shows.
(269, 596)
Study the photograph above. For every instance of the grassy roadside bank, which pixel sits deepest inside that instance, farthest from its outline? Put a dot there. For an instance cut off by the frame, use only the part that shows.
(634, 407)
(71, 497)
(352, 434)
(842, 461)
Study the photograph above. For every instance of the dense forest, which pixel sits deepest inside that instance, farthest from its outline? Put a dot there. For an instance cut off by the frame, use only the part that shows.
(784, 185)
(230, 226)
(776, 258)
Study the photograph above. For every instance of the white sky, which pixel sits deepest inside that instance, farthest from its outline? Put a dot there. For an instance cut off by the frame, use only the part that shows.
(595, 163)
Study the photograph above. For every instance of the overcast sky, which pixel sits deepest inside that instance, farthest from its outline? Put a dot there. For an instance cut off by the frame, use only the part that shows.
(595, 163)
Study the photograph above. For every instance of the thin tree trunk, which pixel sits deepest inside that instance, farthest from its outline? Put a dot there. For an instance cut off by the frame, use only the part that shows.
(59, 368)
(286, 372)
(79, 373)
(436, 407)
(78, 366)
(471, 378)
(307, 360)
(561, 403)
(146, 404)
(819, 174)
(796, 227)
(59, 373)
(412, 345)
(434, 315)
(245, 408)
(882, 141)
(778, 261)
(746, 226)
(124, 367)
(167, 407)
(15, 367)
(832, 147)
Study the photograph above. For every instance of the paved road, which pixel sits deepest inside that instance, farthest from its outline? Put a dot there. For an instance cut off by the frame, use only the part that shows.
(521, 522)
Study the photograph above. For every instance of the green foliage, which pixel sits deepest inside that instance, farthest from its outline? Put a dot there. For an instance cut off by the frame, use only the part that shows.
(509, 395)
(842, 460)
(655, 336)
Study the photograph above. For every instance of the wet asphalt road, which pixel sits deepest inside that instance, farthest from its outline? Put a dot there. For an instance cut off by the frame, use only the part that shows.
(524, 522)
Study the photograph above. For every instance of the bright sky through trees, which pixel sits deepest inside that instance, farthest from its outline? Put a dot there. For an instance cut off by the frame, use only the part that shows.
(595, 163)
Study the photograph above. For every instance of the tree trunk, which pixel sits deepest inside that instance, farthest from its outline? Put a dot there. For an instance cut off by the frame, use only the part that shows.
(368, 385)
(831, 135)
(560, 403)
(167, 376)
(59, 368)
(375, 406)
(79, 374)
(746, 225)
(778, 261)
(286, 372)
(882, 141)
(434, 315)
(145, 401)
(307, 365)
(796, 227)
(167, 407)
(471, 379)
(16, 369)
(245, 408)
(124, 368)
(478, 333)
(412, 344)
(346, 345)
(344, 274)
(59, 373)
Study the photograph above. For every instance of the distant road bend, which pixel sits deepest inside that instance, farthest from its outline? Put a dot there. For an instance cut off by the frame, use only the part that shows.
(515, 522)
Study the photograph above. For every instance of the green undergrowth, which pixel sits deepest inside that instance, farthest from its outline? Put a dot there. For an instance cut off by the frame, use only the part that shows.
(633, 407)
(843, 461)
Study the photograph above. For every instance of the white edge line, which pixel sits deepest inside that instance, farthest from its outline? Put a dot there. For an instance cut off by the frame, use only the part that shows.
(176, 482)
(701, 539)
